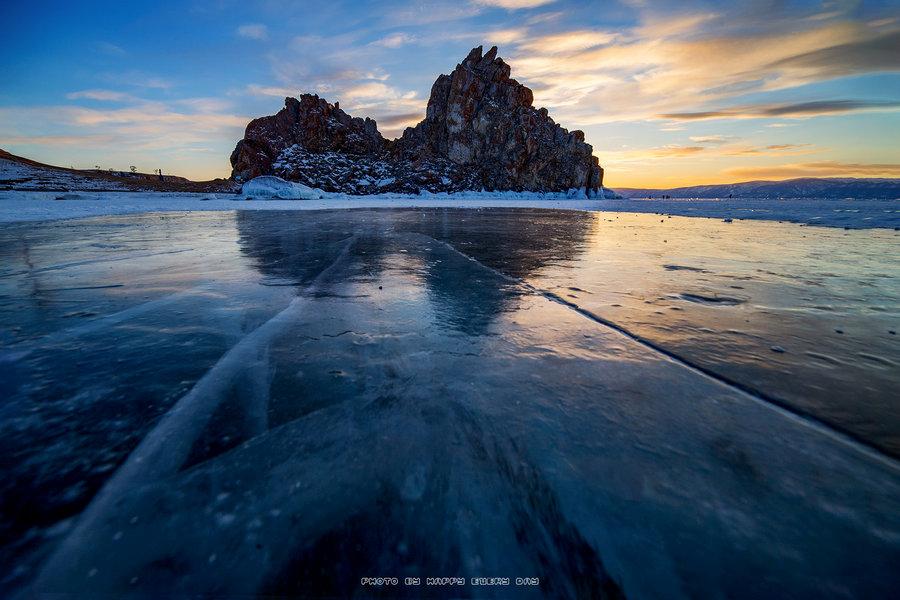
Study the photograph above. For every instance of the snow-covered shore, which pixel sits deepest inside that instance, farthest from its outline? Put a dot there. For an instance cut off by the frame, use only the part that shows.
(856, 214)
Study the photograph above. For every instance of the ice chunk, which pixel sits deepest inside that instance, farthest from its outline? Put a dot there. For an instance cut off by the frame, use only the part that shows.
(268, 186)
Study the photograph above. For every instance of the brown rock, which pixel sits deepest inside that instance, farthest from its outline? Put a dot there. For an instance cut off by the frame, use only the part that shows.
(310, 122)
(478, 116)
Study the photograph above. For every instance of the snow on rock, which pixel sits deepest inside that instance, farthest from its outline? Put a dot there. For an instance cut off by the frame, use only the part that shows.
(268, 186)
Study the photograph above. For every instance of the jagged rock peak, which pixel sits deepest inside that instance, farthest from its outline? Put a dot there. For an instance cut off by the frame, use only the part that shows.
(489, 65)
(480, 131)
(478, 116)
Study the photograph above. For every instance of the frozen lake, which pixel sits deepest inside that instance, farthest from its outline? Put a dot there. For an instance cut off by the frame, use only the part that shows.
(274, 402)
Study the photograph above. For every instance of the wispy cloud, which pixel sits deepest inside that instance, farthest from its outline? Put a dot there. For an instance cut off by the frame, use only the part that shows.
(568, 42)
(514, 4)
(785, 146)
(110, 49)
(395, 40)
(138, 79)
(672, 64)
(253, 31)
(101, 95)
(797, 110)
(669, 151)
(255, 89)
(428, 13)
(714, 140)
(770, 150)
(55, 140)
(878, 53)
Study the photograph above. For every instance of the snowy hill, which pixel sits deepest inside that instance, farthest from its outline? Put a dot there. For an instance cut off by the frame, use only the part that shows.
(18, 173)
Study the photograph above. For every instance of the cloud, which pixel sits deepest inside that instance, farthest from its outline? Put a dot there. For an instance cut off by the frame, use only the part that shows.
(798, 110)
(546, 17)
(54, 140)
(570, 41)
(714, 140)
(676, 151)
(709, 149)
(785, 146)
(671, 64)
(665, 26)
(150, 117)
(428, 13)
(395, 40)
(110, 49)
(169, 127)
(883, 22)
(205, 105)
(770, 150)
(101, 95)
(270, 90)
(514, 4)
(875, 54)
(253, 31)
(138, 79)
(817, 169)
(502, 36)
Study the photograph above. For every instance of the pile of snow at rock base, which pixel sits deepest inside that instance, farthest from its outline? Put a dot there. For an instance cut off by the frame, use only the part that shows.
(268, 186)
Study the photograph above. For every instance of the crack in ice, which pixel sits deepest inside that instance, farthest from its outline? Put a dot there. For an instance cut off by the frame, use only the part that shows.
(165, 449)
(772, 402)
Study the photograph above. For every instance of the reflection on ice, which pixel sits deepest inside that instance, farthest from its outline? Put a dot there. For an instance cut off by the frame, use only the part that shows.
(304, 399)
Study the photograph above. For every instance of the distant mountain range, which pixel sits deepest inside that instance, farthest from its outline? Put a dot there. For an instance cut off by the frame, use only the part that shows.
(808, 187)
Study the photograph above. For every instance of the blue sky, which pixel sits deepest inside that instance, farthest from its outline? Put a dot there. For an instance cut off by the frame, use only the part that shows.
(668, 93)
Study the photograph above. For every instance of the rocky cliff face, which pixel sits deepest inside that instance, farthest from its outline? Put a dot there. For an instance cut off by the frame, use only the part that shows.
(480, 132)
(479, 117)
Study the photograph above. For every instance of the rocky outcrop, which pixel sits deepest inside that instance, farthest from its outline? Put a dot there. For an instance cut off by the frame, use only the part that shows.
(478, 116)
(311, 123)
(480, 132)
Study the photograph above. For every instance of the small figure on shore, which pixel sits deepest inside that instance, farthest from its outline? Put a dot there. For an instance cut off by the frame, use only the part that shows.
(160, 174)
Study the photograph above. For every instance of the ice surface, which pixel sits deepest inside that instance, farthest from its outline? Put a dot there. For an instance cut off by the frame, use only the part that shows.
(848, 212)
(283, 402)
